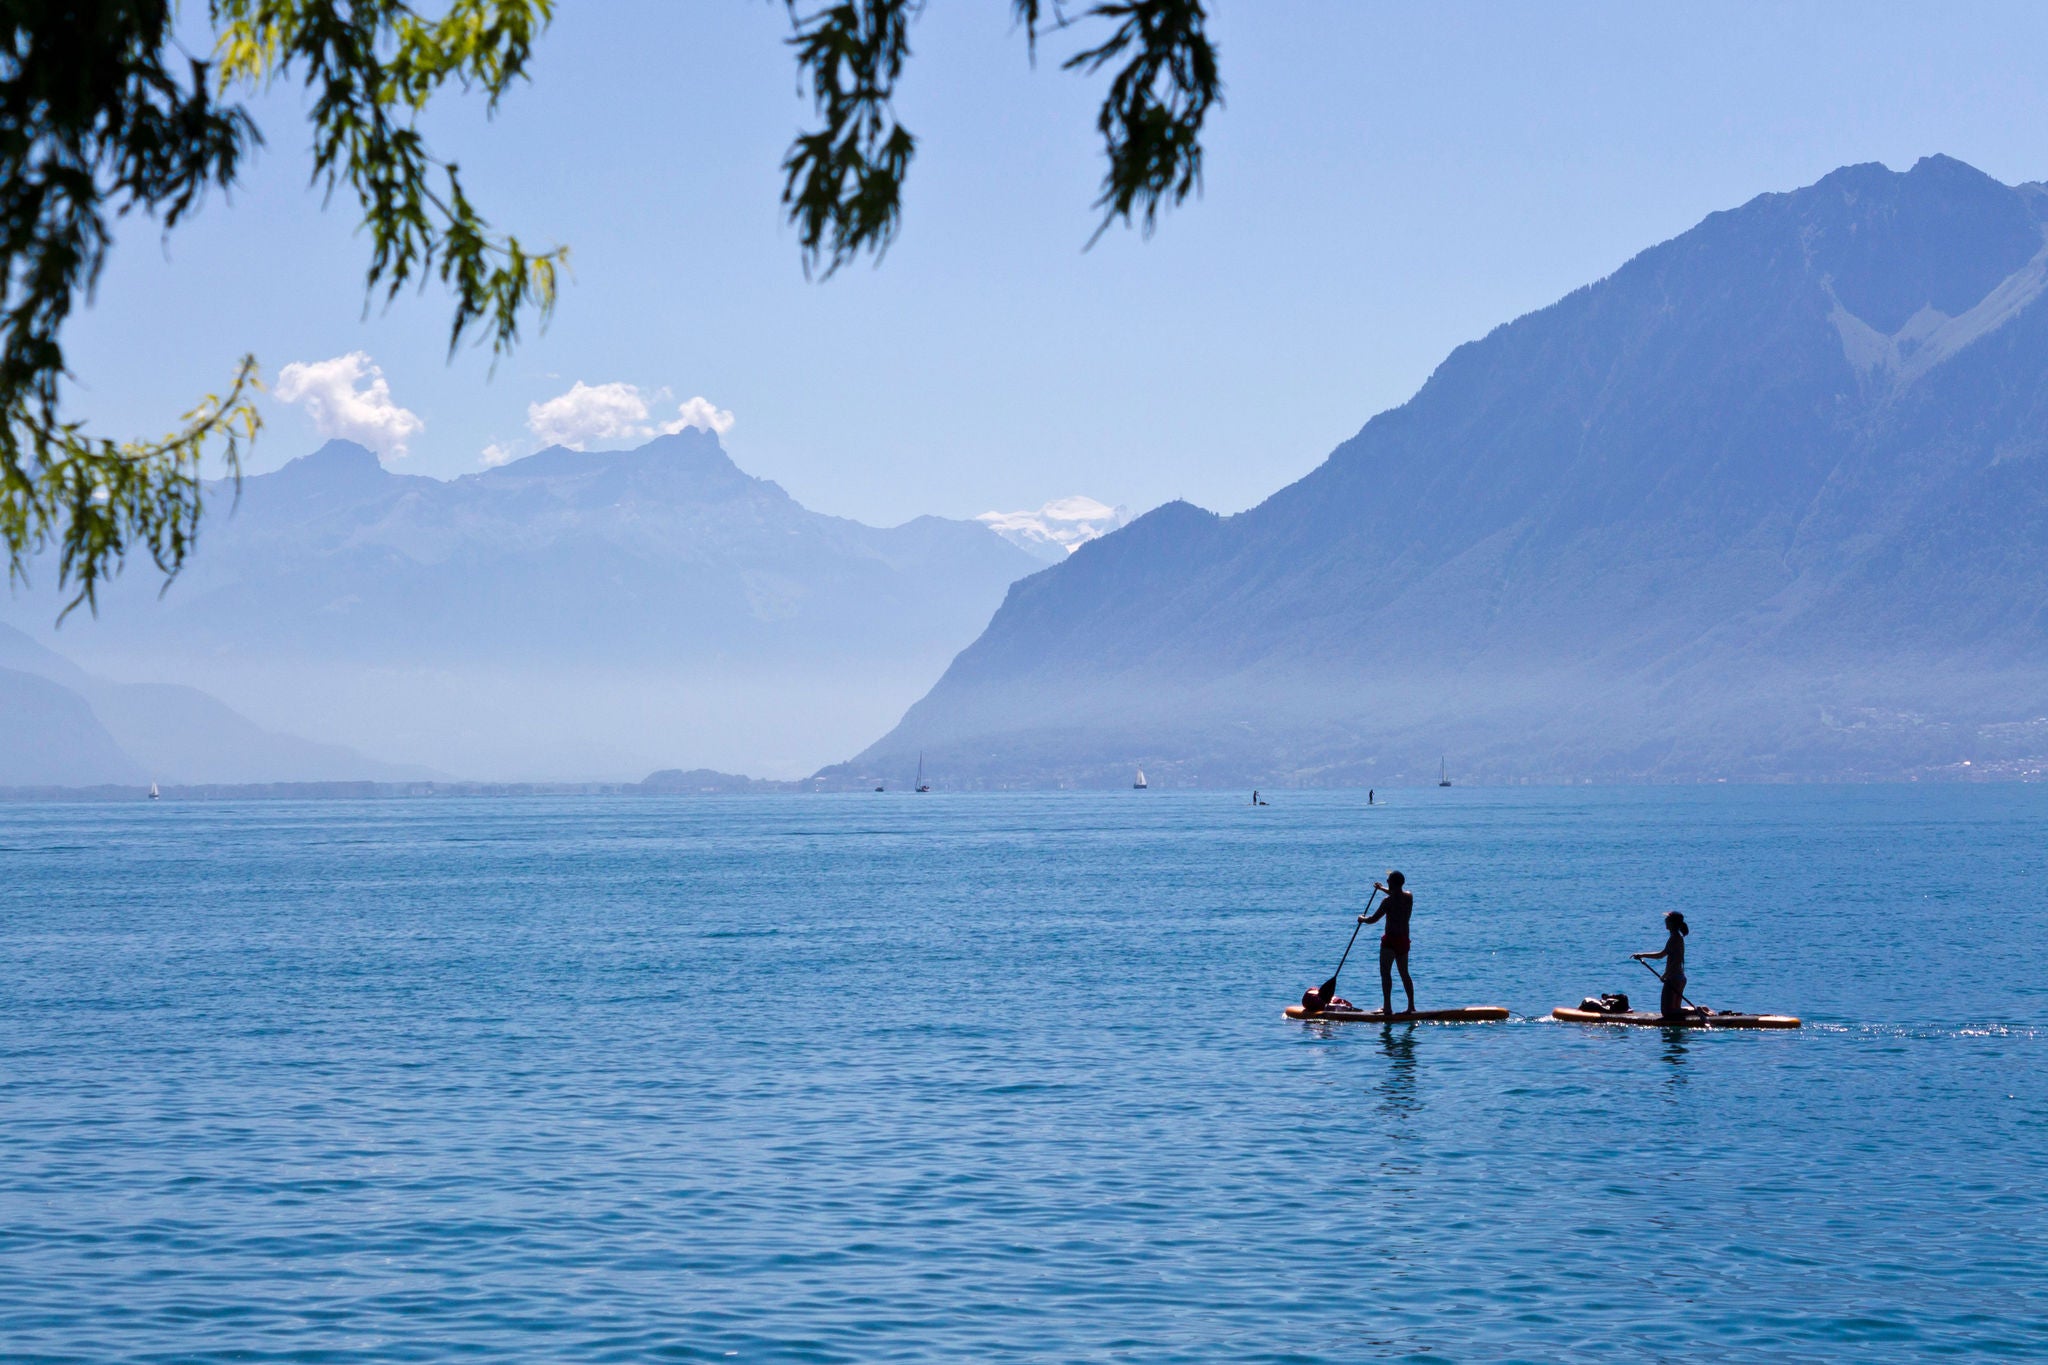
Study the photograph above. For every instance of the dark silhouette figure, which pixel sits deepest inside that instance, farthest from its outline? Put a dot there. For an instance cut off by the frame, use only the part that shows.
(1368, 796)
(1395, 910)
(1672, 1002)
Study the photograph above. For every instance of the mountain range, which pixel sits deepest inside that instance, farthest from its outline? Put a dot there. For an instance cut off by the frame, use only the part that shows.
(66, 727)
(1769, 501)
(570, 615)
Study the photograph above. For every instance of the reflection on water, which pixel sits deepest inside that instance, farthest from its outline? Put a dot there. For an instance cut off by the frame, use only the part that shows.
(1397, 1087)
(796, 1079)
(1675, 1044)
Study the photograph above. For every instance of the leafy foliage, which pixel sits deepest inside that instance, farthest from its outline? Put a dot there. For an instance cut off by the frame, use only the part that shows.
(102, 115)
(109, 497)
(843, 182)
(1151, 121)
(94, 121)
(375, 65)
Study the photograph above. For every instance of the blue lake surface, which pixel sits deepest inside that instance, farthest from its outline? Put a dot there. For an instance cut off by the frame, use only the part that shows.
(873, 1078)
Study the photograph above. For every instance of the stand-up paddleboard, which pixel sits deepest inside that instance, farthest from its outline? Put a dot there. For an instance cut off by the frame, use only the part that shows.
(1650, 1018)
(1470, 1014)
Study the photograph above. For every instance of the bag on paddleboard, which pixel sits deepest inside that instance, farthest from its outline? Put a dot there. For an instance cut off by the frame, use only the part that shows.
(1612, 1002)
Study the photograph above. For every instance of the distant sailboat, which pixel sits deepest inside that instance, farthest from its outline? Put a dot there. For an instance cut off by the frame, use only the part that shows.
(921, 784)
(1139, 785)
(1443, 773)
(154, 794)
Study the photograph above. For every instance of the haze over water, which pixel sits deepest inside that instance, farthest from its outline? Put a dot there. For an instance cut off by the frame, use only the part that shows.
(891, 1077)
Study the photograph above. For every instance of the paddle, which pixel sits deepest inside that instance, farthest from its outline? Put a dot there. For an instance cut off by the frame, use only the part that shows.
(1327, 992)
(1660, 976)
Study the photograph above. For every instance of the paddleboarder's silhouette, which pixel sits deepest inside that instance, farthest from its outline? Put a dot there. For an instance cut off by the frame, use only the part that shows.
(1672, 1001)
(1395, 910)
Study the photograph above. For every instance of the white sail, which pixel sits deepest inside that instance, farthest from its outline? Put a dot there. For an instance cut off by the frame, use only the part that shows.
(1139, 785)
(153, 792)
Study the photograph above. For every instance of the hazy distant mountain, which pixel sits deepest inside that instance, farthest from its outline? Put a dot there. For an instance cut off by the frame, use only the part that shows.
(1057, 529)
(52, 738)
(1771, 499)
(571, 614)
(66, 727)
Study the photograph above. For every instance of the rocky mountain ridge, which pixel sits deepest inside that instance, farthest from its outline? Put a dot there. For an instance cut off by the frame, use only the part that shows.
(1770, 501)
(570, 615)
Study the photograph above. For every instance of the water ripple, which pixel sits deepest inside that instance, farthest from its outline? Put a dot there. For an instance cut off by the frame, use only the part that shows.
(1005, 1078)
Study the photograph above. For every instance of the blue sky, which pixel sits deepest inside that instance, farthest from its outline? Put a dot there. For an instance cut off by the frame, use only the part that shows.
(1385, 182)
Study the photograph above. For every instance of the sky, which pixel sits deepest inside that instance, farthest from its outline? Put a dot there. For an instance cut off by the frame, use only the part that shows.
(1385, 182)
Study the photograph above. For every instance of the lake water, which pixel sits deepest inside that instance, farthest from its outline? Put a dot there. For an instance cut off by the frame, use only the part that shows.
(873, 1078)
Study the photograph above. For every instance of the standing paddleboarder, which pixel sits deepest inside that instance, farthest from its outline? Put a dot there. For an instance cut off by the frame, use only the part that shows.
(1395, 910)
(1672, 1002)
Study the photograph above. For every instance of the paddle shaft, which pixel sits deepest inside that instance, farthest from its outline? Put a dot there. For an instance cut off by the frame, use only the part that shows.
(1330, 986)
(1660, 976)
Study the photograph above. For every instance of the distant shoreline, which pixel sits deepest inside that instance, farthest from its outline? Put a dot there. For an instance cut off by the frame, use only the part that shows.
(731, 785)
(661, 784)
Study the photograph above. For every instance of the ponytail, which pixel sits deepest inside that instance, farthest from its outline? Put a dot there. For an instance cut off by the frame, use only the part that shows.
(1674, 920)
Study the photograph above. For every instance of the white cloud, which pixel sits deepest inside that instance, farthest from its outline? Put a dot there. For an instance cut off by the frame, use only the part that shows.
(349, 397)
(616, 412)
(701, 413)
(589, 412)
(494, 455)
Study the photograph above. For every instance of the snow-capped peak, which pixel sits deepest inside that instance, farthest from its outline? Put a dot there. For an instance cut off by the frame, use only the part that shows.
(1057, 529)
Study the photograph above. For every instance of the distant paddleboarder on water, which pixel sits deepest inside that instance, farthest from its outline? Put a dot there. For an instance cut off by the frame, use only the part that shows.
(1395, 910)
(1672, 1002)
